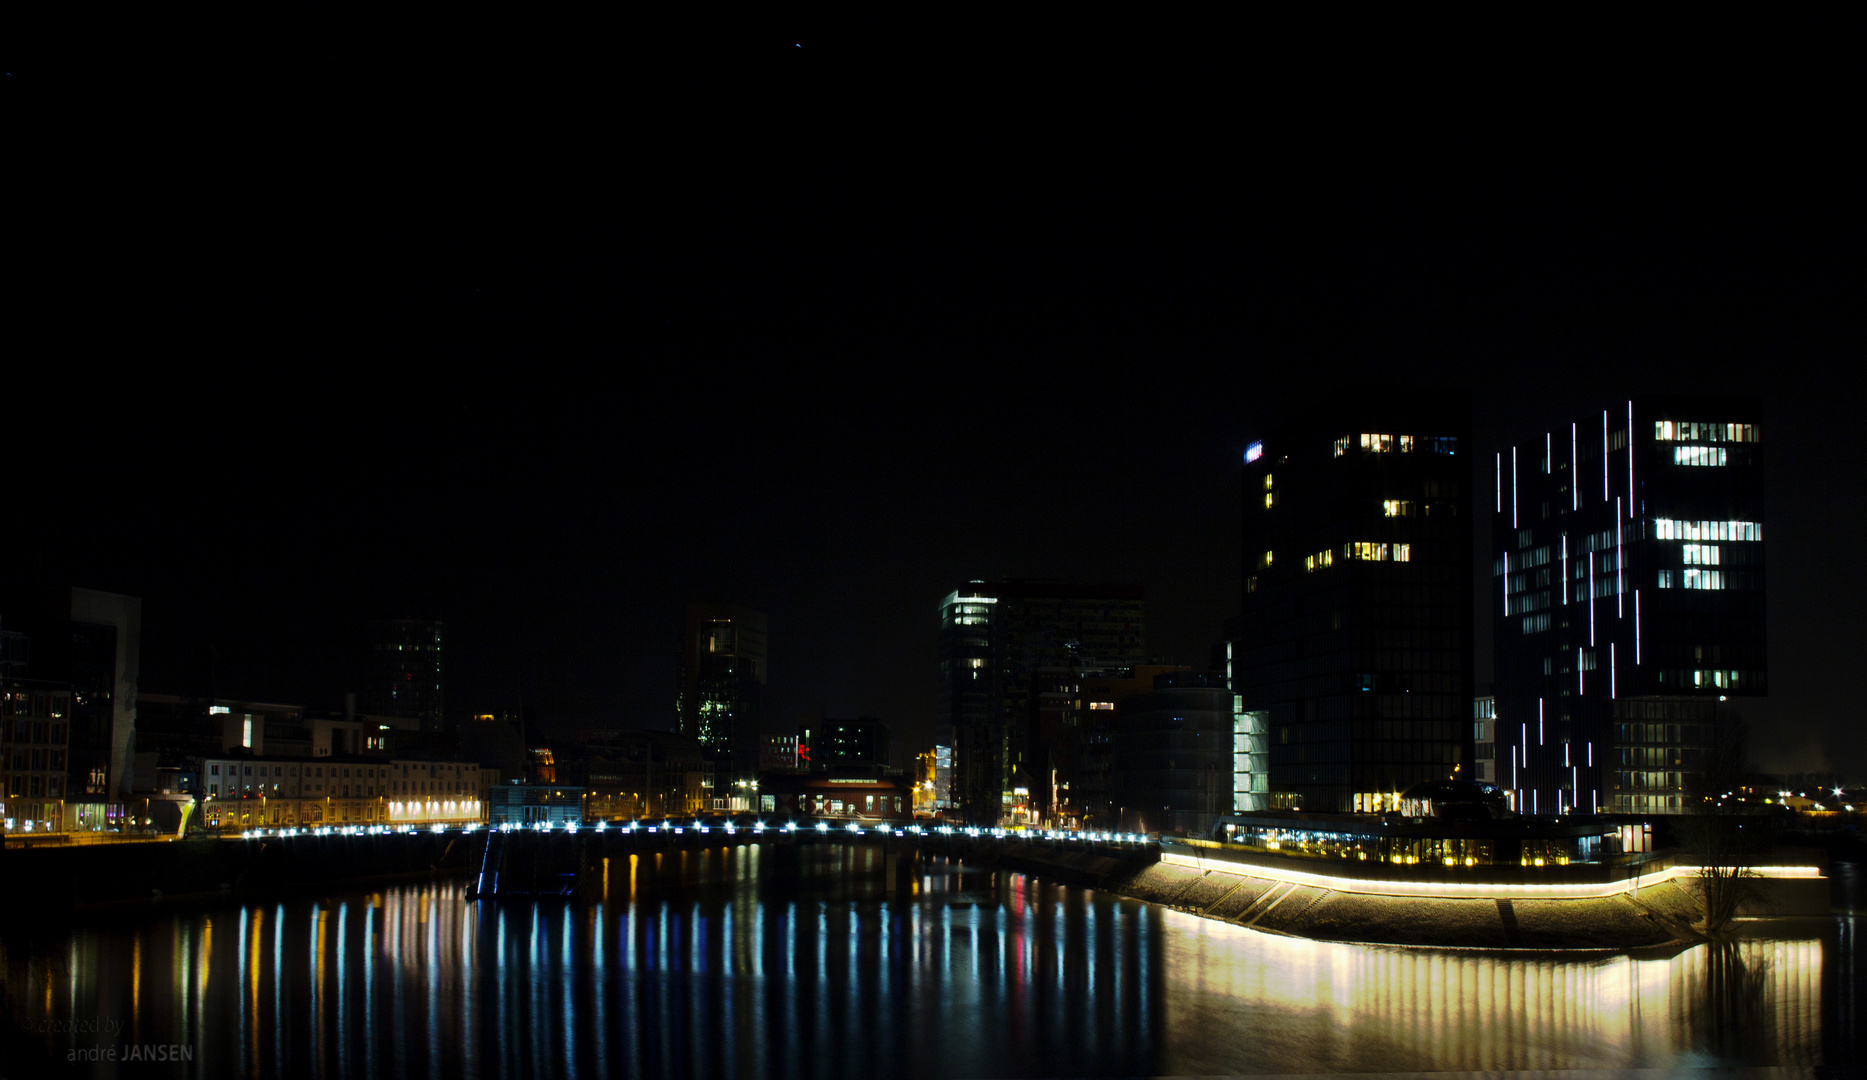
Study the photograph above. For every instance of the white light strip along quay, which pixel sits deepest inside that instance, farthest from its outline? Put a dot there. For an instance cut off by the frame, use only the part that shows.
(1587, 890)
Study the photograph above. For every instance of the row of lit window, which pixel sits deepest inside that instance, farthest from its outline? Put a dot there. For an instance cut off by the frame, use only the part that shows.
(1700, 554)
(1694, 578)
(1367, 551)
(1682, 431)
(1669, 529)
(1388, 444)
(1698, 455)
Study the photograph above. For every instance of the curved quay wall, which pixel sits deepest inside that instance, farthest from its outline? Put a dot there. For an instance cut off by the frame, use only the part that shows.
(1593, 906)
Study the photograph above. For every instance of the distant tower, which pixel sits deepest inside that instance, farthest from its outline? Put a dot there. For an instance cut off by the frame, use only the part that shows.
(404, 672)
(1628, 601)
(722, 672)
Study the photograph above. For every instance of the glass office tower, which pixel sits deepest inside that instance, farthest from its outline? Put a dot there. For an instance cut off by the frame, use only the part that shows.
(1628, 582)
(1352, 654)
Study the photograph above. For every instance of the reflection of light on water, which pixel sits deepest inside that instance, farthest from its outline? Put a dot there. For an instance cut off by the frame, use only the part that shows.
(1319, 1006)
(1054, 981)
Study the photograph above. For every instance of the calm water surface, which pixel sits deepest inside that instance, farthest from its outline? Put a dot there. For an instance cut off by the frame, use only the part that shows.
(737, 962)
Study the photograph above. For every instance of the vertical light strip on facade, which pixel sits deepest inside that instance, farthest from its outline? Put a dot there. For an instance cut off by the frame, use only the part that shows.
(1500, 481)
(1581, 677)
(1513, 487)
(1604, 455)
(1630, 459)
(1507, 584)
(1620, 560)
(1575, 475)
(1539, 728)
(1636, 627)
(1613, 686)
(1565, 570)
(1591, 598)
(1549, 454)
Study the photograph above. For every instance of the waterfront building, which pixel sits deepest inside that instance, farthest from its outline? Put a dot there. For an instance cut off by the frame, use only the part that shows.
(90, 641)
(1352, 653)
(721, 676)
(852, 792)
(404, 673)
(933, 773)
(1484, 739)
(824, 743)
(778, 753)
(250, 791)
(1628, 581)
(1075, 722)
(635, 774)
(995, 638)
(34, 729)
(518, 805)
(1172, 754)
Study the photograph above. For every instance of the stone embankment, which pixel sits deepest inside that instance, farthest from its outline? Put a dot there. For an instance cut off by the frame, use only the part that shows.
(1645, 916)
(78, 877)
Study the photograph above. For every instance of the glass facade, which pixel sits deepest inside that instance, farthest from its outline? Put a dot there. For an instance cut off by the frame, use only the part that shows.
(1351, 657)
(1629, 573)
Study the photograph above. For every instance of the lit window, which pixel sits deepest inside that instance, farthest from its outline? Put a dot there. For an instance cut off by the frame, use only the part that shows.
(1267, 481)
(1312, 563)
(1341, 446)
(1695, 578)
(1669, 529)
(1698, 455)
(1701, 554)
(1264, 560)
(1377, 444)
(1397, 507)
(1406, 444)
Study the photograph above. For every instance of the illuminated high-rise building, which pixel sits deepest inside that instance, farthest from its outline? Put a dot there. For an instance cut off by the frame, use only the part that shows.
(1628, 581)
(404, 673)
(721, 678)
(1351, 659)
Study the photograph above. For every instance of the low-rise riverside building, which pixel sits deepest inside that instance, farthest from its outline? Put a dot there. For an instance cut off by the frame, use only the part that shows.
(242, 792)
(521, 804)
(853, 792)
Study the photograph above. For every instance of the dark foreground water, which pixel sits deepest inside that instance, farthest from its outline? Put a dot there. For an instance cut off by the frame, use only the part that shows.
(726, 963)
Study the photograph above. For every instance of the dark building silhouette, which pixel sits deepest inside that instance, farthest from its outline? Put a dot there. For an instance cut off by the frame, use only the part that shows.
(1171, 767)
(90, 641)
(404, 672)
(825, 743)
(1352, 654)
(721, 679)
(1629, 591)
(994, 640)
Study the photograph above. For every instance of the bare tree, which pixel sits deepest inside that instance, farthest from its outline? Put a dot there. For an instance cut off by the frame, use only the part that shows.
(1719, 830)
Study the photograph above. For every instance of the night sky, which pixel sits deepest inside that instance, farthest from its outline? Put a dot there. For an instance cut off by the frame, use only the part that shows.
(548, 343)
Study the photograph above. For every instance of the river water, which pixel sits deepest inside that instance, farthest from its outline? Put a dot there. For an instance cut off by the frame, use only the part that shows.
(730, 963)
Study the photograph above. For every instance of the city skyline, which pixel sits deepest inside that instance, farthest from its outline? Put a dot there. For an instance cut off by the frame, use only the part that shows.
(831, 387)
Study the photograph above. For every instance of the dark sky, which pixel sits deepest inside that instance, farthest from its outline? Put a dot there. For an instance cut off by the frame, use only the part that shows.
(547, 343)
